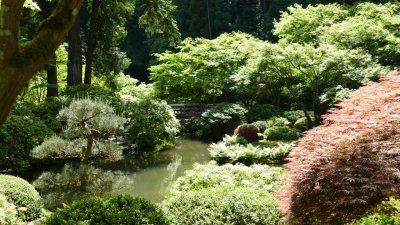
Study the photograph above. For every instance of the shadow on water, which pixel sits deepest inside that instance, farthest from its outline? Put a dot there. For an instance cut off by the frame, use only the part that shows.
(148, 176)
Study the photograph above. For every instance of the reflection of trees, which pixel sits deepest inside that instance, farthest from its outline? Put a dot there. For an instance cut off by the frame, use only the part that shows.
(78, 181)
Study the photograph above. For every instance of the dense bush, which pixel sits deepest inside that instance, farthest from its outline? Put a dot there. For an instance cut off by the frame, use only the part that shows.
(262, 112)
(301, 124)
(219, 195)
(261, 125)
(247, 154)
(387, 213)
(294, 115)
(247, 131)
(345, 168)
(18, 136)
(20, 193)
(219, 120)
(152, 125)
(278, 122)
(282, 133)
(121, 209)
(9, 212)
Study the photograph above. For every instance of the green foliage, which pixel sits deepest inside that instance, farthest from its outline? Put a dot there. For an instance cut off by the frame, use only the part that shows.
(48, 110)
(282, 133)
(8, 212)
(211, 194)
(219, 120)
(120, 209)
(301, 124)
(225, 152)
(201, 70)
(87, 122)
(294, 115)
(18, 136)
(278, 122)
(262, 112)
(22, 194)
(152, 125)
(261, 125)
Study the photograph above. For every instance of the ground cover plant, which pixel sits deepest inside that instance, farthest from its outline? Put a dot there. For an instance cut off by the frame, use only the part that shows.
(347, 166)
(228, 151)
(212, 194)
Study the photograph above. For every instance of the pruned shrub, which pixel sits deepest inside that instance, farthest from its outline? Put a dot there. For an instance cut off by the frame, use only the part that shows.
(218, 195)
(345, 168)
(18, 136)
(278, 122)
(262, 112)
(219, 120)
(89, 125)
(120, 209)
(261, 125)
(282, 133)
(295, 115)
(247, 131)
(20, 193)
(152, 125)
(9, 212)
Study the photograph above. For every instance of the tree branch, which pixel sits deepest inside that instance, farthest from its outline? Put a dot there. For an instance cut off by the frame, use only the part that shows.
(33, 55)
(10, 15)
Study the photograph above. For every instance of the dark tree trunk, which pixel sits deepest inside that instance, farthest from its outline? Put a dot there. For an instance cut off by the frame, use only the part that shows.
(52, 83)
(74, 75)
(209, 20)
(18, 63)
(91, 41)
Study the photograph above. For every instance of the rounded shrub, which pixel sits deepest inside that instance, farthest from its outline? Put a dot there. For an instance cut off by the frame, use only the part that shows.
(219, 120)
(152, 125)
(282, 133)
(247, 131)
(278, 122)
(8, 212)
(261, 125)
(294, 115)
(22, 194)
(120, 209)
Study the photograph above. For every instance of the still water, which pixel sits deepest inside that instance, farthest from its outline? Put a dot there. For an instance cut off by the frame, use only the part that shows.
(149, 176)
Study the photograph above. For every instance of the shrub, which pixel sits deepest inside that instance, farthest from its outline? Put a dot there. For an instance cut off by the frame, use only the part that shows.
(219, 120)
(278, 122)
(9, 212)
(261, 125)
(18, 136)
(348, 166)
(301, 124)
(120, 209)
(235, 195)
(20, 193)
(262, 112)
(295, 115)
(152, 125)
(282, 133)
(387, 214)
(48, 111)
(247, 131)
(248, 154)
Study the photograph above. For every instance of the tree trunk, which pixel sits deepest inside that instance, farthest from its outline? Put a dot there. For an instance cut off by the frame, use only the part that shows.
(87, 151)
(19, 62)
(209, 19)
(74, 75)
(92, 41)
(52, 83)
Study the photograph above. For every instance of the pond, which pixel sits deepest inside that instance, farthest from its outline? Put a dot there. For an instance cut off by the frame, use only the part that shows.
(149, 176)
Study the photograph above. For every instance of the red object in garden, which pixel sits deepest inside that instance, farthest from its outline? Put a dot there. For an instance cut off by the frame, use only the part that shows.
(247, 131)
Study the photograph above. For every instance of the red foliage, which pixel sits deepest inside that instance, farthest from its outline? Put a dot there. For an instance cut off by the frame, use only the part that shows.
(247, 131)
(350, 164)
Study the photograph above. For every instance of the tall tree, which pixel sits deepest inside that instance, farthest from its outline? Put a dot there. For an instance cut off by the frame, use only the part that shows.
(74, 75)
(20, 61)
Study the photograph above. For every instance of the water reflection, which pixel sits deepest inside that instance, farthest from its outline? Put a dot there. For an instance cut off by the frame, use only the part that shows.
(148, 176)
